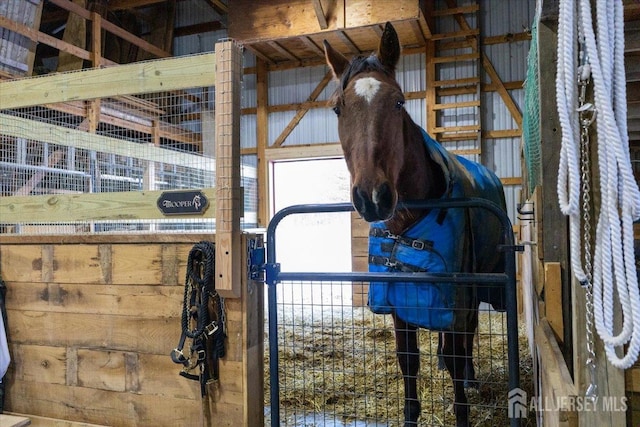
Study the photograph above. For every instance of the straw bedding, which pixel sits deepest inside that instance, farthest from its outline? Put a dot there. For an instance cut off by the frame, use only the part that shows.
(338, 367)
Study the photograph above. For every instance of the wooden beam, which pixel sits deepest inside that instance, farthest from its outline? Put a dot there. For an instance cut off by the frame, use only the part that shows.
(228, 192)
(322, 19)
(278, 48)
(308, 151)
(504, 94)
(302, 111)
(347, 41)
(39, 37)
(262, 140)
(311, 45)
(130, 4)
(144, 77)
(218, 6)
(126, 205)
(112, 28)
(75, 33)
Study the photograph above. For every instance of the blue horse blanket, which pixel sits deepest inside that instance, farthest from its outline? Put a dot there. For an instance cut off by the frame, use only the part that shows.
(443, 241)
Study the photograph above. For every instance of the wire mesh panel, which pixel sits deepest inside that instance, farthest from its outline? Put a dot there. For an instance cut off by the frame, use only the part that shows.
(338, 364)
(141, 142)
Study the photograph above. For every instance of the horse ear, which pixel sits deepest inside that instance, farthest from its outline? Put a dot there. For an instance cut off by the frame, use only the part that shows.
(389, 49)
(335, 60)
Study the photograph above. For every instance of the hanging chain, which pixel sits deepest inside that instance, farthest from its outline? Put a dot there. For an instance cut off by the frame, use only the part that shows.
(587, 115)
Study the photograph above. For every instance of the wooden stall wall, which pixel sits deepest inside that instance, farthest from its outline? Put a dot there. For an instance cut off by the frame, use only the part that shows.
(92, 322)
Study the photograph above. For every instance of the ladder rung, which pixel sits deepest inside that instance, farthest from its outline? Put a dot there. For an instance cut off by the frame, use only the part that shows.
(465, 104)
(459, 90)
(455, 10)
(466, 136)
(456, 34)
(464, 128)
(466, 152)
(458, 44)
(457, 82)
(456, 58)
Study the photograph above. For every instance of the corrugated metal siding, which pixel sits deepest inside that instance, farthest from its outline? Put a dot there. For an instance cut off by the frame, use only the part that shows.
(496, 17)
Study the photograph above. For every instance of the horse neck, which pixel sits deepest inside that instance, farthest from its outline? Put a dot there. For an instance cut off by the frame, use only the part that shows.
(420, 177)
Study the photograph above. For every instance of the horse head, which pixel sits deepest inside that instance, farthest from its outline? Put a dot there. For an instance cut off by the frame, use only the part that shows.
(369, 104)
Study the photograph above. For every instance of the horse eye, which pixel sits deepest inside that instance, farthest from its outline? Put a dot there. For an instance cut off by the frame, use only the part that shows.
(336, 110)
(400, 104)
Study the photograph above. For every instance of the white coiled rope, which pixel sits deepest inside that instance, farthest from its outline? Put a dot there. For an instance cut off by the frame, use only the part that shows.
(615, 283)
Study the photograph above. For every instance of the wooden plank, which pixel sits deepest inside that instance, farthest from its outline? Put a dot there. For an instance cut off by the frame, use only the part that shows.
(124, 205)
(83, 298)
(228, 192)
(309, 151)
(38, 363)
(144, 77)
(278, 19)
(553, 298)
(262, 140)
(21, 263)
(252, 345)
(13, 421)
(38, 421)
(322, 19)
(95, 406)
(75, 33)
(124, 333)
(101, 369)
(556, 383)
(38, 37)
(504, 94)
(456, 58)
(112, 28)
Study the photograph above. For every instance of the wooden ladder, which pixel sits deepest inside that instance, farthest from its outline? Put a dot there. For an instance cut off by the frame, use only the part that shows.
(453, 62)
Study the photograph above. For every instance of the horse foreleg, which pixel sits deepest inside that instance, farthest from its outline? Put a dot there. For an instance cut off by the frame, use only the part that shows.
(469, 370)
(409, 361)
(454, 357)
(441, 364)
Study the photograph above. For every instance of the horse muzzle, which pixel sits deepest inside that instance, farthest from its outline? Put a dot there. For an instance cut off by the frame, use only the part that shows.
(379, 205)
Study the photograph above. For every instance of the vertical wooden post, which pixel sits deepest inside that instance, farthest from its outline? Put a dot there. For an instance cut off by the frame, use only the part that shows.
(96, 39)
(262, 133)
(430, 73)
(228, 193)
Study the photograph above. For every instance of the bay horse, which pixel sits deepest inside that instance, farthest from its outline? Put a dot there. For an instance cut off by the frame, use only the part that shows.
(390, 160)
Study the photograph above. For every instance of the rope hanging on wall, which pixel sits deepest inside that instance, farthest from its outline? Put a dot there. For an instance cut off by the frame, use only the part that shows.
(613, 282)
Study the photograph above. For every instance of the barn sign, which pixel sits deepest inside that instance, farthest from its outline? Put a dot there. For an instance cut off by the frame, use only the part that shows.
(183, 202)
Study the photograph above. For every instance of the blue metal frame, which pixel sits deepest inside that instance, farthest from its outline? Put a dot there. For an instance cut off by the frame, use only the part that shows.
(273, 276)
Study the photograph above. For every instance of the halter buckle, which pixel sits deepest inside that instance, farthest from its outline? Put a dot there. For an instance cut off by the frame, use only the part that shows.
(389, 263)
(211, 328)
(418, 245)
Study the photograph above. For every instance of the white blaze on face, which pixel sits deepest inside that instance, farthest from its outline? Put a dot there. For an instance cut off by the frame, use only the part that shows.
(367, 88)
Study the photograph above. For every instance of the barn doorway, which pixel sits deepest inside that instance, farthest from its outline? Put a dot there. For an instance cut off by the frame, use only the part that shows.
(318, 242)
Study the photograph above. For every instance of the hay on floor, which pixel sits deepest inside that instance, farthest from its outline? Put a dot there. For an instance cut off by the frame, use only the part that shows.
(341, 365)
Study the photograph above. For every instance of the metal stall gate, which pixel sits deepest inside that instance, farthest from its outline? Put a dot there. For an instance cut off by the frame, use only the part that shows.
(333, 364)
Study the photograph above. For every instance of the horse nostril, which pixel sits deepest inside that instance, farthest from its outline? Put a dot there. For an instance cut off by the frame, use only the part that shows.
(359, 201)
(384, 195)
